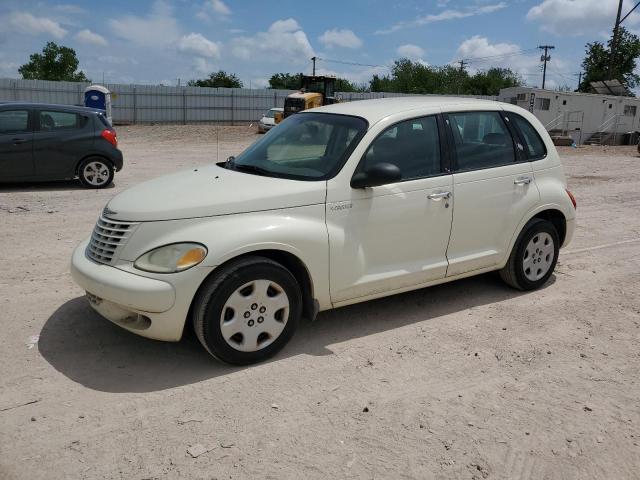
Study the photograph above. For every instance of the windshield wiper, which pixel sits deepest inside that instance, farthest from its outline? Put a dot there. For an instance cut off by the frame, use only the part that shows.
(254, 169)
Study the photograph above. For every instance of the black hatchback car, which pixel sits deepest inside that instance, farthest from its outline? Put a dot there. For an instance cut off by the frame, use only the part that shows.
(56, 142)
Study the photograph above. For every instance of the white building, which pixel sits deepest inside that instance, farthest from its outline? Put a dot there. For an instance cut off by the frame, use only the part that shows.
(585, 117)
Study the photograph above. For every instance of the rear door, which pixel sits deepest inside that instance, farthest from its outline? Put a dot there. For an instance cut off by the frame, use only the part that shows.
(16, 144)
(493, 189)
(61, 139)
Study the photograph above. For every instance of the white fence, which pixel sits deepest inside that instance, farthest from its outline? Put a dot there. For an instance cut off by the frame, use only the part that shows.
(158, 104)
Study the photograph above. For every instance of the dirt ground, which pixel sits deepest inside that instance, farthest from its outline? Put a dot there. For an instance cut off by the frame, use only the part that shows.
(468, 380)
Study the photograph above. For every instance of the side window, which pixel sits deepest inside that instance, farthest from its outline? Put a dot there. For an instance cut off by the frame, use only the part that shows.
(14, 121)
(534, 144)
(54, 121)
(482, 140)
(413, 146)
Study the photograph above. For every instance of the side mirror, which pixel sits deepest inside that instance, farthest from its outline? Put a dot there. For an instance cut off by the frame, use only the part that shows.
(376, 175)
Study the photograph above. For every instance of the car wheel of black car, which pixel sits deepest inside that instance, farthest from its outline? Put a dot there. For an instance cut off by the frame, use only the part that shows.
(95, 172)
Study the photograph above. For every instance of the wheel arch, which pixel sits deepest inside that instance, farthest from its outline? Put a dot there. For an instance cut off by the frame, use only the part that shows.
(288, 260)
(552, 213)
(91, 155)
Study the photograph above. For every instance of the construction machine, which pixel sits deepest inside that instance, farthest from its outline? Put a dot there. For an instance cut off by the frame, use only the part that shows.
(315, 91)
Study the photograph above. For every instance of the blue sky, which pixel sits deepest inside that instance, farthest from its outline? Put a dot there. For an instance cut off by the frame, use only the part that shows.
(159, 41)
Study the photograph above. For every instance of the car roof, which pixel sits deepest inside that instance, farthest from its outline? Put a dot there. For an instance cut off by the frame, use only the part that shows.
(72, 108)
(377, 109)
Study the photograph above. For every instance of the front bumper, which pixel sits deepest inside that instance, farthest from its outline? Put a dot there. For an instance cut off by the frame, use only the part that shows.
(263, 127)
(150, 307)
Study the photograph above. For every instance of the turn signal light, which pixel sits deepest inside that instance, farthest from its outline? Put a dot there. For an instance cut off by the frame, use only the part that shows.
(573, 199)
(110, 136)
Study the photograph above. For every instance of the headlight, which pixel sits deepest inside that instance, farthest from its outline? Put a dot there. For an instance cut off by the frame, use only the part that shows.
(176, 257)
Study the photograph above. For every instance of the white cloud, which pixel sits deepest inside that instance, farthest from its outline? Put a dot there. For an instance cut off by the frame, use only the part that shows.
(445, 15)
(214, 8)
(340, 38)
(87, 36)
(157, 29)
(284, 26)
(201, 66)
(220, 7)
(283, 42)
(24, 22)
(579, 17)
(410, 51)
(197, 44)
(509, 55)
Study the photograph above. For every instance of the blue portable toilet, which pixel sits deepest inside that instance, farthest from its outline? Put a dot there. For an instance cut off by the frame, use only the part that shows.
(97, 96)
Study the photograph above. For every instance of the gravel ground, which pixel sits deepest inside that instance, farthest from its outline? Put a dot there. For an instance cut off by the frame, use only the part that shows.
(468, 380)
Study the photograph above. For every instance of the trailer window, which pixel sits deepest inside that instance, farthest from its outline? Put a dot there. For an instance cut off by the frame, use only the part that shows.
(543, 103)
(630, 110)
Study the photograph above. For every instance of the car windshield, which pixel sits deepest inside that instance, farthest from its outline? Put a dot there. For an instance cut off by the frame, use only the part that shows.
(270, 113)
(305, 146)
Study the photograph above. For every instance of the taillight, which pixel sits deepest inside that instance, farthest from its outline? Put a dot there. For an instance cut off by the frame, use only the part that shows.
(573, 199)
(110, 136)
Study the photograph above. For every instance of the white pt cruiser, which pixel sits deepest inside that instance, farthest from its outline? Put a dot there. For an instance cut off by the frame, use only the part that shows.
(338, 205)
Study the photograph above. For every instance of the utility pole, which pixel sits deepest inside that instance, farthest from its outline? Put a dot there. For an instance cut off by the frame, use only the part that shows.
(313, 59)
(545, 58)
(462, 64)
(614, 40)
(579, 78)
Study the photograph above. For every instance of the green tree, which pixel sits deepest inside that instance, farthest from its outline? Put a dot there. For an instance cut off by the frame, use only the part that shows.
(54, 63)
(492, 81)
(218, 79)
(285, 81)
(598, 57)
(408, 76)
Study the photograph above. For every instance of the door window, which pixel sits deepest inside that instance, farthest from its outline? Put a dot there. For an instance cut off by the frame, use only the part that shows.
(53, 121)
(482, 140)
(413, 146)
(534, 144)
(14, 121)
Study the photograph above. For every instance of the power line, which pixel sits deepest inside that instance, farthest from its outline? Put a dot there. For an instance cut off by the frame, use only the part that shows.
(496, 57)
(327, 60)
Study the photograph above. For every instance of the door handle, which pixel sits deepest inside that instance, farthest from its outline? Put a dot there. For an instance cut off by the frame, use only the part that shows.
(439, 196)
(522, 181)
(18, 141)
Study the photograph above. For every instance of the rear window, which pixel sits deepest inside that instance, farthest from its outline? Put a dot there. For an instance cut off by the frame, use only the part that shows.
(14, 121)
(104, 120)
(52, 120)
(533, 143)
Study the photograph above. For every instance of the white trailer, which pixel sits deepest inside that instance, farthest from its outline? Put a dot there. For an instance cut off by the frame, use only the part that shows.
(585, 117)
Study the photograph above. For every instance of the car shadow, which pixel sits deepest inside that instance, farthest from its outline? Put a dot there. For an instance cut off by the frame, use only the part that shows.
(92, 351)
(52, 186)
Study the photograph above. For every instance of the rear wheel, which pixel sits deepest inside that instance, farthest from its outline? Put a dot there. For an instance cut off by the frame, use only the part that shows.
(534, 256)
(95, 172)
(248, 311)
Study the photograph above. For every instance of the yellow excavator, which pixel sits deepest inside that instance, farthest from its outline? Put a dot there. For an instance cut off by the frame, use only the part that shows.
(315, 91)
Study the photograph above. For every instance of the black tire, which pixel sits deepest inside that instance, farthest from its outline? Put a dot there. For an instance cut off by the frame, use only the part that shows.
(513, 273)
(95, 172)
(216, 291)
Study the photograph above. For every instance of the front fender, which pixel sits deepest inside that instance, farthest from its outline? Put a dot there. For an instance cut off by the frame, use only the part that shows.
(299, 231)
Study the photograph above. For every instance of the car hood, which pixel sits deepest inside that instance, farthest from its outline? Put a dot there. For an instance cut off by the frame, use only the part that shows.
(208, 191)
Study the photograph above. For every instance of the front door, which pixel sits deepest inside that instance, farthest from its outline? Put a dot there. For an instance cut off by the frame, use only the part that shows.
(16, 145)
(393, 237)
(493, 189)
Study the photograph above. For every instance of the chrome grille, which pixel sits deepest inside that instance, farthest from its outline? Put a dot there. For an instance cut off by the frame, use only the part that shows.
(108, 235)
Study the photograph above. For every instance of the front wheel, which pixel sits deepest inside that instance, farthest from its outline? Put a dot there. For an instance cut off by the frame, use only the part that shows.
(95, 172)
(248, 311)
(534, 256)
